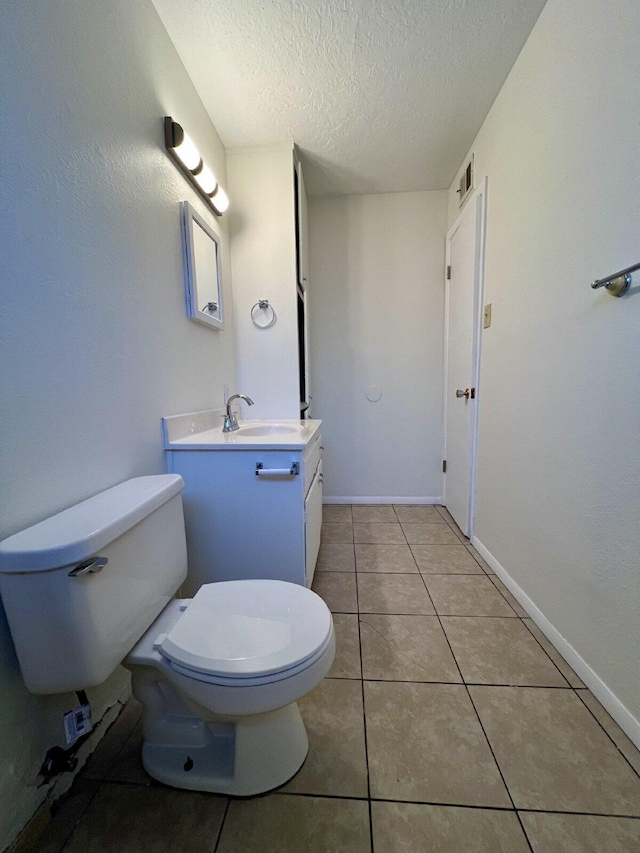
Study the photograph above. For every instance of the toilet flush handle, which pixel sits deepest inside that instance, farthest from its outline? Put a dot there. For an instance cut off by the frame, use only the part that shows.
(90, 566)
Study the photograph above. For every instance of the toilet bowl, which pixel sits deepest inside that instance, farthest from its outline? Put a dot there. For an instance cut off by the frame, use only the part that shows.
(218, 675)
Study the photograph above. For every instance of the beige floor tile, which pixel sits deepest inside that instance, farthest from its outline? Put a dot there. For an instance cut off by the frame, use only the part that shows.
(499, 651)
(393, 593)
(378, 533)
(378, 513)
(347, 659)
(337, 590)
(425, 743)
(466, 595)
(624, 744)
(464, 540)
(337, 513)
(429, 534)
(553, 754)
(64, 817)
(480, 560)
(138, 819)
(564, 833)
(336, 763)
(128, 765)
(111, 745)
(444, 512)
(283, 824)
(506, 593)
(445, 559)
(554, 654)
(406, 648)
(413, 828)
(410, 514)
(336, 533)
(385, 558)
(336, 557)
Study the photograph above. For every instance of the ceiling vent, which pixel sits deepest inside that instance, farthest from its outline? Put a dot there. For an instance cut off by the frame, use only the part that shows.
(466, 182)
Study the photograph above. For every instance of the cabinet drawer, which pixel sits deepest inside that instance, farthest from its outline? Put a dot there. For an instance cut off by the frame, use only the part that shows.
(310, 462)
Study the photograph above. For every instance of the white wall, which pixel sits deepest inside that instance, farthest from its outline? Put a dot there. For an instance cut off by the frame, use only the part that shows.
(263, 258)
(96, 346)
(376, 318)
(559, 444)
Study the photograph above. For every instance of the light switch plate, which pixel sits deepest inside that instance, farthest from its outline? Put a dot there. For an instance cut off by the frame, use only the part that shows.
(487, 316)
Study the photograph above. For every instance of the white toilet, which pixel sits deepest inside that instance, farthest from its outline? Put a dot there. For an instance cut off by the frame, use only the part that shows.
(218, 675)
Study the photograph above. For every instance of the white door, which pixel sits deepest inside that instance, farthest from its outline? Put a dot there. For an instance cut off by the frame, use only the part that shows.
(464, 286)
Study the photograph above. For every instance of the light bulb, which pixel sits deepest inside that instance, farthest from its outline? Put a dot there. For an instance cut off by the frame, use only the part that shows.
(206, 180)
(220, 200)
(188, 153)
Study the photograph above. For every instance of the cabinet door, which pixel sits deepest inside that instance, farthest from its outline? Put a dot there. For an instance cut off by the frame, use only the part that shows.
(313, 524)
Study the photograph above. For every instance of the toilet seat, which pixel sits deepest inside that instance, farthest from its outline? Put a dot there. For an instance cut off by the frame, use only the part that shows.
(248, 632)
(252, 681)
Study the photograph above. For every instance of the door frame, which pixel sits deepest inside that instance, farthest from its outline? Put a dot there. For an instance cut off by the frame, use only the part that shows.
(478, 198)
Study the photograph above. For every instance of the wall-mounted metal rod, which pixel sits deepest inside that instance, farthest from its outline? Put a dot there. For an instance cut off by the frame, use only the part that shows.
(618, 283)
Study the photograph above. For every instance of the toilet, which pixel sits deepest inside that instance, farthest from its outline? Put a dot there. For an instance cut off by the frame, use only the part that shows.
(218, 675)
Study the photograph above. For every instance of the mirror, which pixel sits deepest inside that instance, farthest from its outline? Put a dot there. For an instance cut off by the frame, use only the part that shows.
(203, 279)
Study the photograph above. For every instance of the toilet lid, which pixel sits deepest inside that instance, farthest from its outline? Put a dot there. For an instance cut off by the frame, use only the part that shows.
(248, 628)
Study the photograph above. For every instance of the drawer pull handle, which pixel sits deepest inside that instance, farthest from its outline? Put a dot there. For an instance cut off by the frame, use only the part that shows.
(261, 471)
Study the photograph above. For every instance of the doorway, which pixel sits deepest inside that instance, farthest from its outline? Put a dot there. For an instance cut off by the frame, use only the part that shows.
(464, 288)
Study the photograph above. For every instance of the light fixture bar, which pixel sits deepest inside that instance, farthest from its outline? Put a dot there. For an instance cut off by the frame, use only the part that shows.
(186, 156)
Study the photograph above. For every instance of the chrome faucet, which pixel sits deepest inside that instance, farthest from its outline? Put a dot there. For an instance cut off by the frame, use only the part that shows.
(230, 419)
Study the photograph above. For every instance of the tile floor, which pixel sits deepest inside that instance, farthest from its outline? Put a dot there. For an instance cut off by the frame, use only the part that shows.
(447, 723)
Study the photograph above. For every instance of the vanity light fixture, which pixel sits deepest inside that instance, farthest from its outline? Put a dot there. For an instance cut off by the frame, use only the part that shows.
(186, 155)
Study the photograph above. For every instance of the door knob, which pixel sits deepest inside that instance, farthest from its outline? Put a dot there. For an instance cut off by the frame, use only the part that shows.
(466, 393)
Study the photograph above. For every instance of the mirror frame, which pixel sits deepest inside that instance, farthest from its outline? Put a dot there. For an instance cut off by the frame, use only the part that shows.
(189, 216)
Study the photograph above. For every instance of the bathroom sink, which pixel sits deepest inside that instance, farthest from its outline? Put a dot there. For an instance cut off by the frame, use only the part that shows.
(268, 429)
(203, 431)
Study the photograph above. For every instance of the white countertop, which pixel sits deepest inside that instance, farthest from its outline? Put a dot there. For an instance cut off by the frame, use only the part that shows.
(203, 431)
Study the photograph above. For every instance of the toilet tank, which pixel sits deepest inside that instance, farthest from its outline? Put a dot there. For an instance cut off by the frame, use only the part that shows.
(70, 627)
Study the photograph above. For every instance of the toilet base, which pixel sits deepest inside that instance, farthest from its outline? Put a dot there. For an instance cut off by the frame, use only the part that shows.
(241, 757)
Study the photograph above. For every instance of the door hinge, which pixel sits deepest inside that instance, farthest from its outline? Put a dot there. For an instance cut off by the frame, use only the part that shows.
(444, 466)
(448, 273)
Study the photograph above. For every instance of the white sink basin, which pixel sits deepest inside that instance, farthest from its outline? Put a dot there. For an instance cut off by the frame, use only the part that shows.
(268, 429)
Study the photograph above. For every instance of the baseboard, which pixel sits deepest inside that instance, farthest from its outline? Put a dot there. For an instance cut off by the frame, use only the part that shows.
(623, 717)
(330, 499)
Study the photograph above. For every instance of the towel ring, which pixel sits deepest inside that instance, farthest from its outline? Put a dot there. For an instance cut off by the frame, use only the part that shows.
(263, 305)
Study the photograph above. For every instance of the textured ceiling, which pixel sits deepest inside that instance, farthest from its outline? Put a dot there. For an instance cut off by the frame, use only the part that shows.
(380, 95)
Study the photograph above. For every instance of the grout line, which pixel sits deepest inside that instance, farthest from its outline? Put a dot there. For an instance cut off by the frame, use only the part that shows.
(444, 615)
(448, 683)
(585, 814)
(523, 620)
(413, 574)
(457, 805)
(224, 820)
(364, 719)
(465, 683)
(364, 710)
(97, 785)
(504, 781)
(466, 687)
(611, 738)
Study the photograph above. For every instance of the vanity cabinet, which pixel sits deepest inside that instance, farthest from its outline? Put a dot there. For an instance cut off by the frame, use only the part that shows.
(251, 513)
